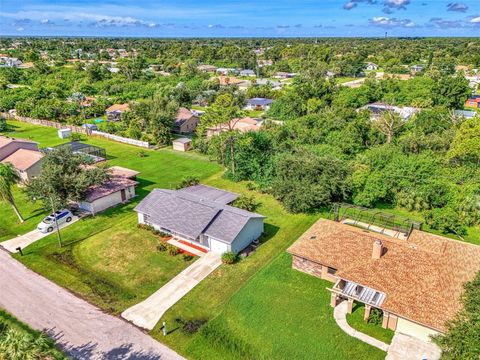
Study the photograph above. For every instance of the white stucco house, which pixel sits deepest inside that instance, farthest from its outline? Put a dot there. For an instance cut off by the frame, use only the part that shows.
(201, 216)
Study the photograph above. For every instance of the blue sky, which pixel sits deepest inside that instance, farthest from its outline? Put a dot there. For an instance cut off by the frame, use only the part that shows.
(189, 18)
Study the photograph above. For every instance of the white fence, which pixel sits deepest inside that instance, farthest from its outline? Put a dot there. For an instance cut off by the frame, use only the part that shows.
(76, 129)
(121, 139)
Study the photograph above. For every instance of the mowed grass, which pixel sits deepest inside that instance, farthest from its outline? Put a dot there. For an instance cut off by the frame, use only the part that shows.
(107, 259)
(355, 320)
(280, 313)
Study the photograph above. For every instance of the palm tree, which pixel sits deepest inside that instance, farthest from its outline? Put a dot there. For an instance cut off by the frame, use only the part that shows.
(9, 177)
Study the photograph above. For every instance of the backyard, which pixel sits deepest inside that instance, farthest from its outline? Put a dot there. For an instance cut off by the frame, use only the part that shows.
(254, 308)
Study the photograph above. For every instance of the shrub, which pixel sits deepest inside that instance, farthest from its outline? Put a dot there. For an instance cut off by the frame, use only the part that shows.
(187, 257)
(190, 326)
(246, 202)
(188, 181)
(229, 258)
(162, 246)
(76, 137)
(376, 317)
(142, 154)
(446, 220)
(172, 250)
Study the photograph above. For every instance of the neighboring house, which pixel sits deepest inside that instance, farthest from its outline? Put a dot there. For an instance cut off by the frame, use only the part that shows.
(283, 75)
(243, 125)
(206, 68)
(9, 145)
(258, 104)
(276, 85)
(417, 282)
(182, 144)
(28, 163)
(377, 109)
(118, 189)
(262, 63)
(115, 111)
(123, 172)
(467, 114)
(10, 62)
(186, 121)
(371, 66)
(473, 101)
(226, 71)
(247, 72)
(229, 80)
(417, 68)
(201, 216)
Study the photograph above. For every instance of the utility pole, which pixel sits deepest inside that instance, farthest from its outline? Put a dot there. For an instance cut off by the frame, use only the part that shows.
(56, 223)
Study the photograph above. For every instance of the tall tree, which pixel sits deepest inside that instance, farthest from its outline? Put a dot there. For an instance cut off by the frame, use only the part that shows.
(389, 123)
(65, 178)
(462, 340)
(224, 113)
(9, 177)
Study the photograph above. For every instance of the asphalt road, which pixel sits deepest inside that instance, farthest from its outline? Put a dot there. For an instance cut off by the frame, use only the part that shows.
(80, 329)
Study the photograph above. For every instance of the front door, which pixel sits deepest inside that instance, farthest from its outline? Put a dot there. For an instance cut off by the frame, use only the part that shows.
(124, 196)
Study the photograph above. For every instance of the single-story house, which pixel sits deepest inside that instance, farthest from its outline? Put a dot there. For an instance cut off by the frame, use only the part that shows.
(247, 72)
(23, 155)
(182, 144)
(226, 71)
(243, 125)
(371, 66)
(417, 282)
(28, 163)
(258, 104)
(206, 68)
(283, 75)
(377, 109)
(276, 85)
(116, 190)
(417, 68)
(115, 111)
(9, 145)
(473, 101)
(467, 114)
(186, 121)
(200, 215)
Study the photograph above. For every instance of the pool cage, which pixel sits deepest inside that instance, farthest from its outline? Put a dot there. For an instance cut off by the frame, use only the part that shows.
(95, 153)
(371, 217)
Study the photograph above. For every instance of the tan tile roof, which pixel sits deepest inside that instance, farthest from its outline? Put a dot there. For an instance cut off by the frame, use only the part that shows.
(23, 159)
(118, 107)
(422, 277)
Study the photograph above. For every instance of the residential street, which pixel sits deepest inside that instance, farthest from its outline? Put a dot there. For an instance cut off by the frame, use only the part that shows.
(81, 329)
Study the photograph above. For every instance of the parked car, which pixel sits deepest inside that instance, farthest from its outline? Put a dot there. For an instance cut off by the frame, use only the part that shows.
(48, 224)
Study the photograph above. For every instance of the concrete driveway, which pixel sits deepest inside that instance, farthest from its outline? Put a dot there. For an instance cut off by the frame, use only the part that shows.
(82, 330)
(24, 240)
(405, 347)
(147, 313)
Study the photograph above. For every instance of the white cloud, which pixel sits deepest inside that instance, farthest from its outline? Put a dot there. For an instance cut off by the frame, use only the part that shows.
(391, 22)
(475, 20)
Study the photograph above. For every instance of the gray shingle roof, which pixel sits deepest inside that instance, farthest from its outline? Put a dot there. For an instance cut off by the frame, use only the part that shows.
(211, 193)
(191, 215)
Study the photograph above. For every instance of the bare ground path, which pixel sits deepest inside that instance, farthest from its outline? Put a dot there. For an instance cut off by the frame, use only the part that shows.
(82, 330)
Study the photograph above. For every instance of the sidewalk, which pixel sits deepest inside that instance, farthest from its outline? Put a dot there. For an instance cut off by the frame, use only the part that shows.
(147, 313)
(340, 315)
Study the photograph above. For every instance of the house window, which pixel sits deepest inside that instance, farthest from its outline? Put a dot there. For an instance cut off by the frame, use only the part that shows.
(331, 271)
(146, 219)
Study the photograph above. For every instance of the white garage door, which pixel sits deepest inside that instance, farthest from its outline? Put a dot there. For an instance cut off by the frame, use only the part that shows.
(218, 246)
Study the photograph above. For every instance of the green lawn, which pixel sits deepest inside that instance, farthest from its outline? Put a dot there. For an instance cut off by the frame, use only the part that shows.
(107, 260)
(355, 320)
